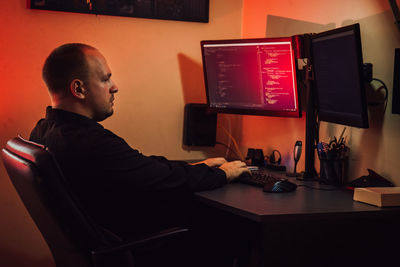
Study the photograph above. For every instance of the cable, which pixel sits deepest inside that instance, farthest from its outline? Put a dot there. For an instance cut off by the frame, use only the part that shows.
(228, 149)
(235, 143)
(384, 87)
(320, 188)
(230, 140)
(317, 126)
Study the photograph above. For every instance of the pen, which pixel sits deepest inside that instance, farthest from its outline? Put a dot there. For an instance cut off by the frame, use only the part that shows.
(341, 136)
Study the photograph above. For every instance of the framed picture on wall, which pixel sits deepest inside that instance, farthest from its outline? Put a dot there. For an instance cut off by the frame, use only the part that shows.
(183, 10)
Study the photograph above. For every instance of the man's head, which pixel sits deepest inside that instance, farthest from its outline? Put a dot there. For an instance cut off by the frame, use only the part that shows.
(79, 80)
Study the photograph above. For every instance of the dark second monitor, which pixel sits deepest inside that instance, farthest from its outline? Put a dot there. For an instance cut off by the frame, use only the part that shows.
(258, 76)
(337, 62)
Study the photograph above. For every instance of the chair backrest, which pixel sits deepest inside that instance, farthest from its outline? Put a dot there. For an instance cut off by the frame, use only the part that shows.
(67, 229)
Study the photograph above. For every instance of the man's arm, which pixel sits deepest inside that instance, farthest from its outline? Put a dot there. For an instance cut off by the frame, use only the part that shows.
(121, 167)
(212, 162)
(232, 169)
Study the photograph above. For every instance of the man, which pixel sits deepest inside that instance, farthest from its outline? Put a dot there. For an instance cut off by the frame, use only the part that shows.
(120, 188)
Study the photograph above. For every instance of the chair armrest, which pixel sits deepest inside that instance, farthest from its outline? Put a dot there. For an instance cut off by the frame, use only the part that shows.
(154, 237)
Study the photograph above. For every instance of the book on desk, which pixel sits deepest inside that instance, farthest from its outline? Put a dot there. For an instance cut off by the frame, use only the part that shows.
(378, 196)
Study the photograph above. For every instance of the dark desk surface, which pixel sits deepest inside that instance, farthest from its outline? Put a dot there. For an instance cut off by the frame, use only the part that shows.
(304, 203)
(309, 225)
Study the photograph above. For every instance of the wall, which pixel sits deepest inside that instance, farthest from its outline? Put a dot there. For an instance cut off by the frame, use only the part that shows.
(158, 68)
(155, 63)
(377, 147)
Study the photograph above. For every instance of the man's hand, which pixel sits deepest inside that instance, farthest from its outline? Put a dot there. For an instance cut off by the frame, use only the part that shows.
(234, 169)
(212, 162)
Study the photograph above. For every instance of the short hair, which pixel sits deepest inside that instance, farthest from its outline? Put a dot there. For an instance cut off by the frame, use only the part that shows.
(65, 63)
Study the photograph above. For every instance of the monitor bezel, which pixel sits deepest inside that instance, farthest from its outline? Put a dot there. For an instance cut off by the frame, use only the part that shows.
(243, 111)
(362, 120)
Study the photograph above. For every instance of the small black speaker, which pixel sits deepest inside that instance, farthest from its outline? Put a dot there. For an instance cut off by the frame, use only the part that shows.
(396, 83)
(200, 126)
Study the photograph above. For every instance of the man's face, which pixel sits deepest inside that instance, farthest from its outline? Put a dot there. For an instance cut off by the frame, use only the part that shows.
(100, 87)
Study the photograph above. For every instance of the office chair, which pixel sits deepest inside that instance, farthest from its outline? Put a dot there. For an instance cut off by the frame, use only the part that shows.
(73, 238)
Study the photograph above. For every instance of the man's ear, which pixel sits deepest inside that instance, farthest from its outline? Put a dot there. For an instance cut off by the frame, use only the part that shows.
(78, 89)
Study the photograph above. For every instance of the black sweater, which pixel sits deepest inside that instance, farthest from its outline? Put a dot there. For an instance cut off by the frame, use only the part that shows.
(113, 181)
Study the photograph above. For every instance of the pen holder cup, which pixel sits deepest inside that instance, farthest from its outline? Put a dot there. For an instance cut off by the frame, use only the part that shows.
(334, 171)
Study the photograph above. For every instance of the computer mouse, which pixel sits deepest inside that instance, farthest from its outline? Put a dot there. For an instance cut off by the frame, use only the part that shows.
(280, 186)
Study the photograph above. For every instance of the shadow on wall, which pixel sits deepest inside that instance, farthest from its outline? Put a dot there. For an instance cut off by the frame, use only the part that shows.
(281, 26)
(192, 80)
(193, 87)
(193, 92)
(379, 38)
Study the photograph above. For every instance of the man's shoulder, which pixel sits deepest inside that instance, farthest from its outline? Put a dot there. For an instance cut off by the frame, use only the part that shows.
(56, 134)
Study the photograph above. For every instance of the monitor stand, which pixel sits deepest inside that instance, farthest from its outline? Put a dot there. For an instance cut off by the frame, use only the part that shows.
(311, 128)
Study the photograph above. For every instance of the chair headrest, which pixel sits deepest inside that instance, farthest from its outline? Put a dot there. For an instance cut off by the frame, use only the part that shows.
(24, 148)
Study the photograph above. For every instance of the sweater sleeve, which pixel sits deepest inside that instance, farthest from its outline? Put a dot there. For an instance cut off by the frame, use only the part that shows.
(130, 169)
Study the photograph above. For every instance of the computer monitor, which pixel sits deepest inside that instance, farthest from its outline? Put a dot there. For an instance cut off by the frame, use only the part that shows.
(251, 76)
(338, 75)
(338, 86)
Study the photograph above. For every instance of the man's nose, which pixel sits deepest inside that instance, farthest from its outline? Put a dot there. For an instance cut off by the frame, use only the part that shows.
(114, 89)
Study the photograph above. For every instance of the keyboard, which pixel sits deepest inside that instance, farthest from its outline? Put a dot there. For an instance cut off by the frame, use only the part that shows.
(259, 177)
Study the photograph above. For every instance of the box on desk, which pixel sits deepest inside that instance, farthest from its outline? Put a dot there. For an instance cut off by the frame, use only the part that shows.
(378, 196)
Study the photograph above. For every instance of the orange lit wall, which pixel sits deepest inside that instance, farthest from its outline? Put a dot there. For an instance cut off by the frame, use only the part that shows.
(378, 147)
(157, 66)
(155, 63)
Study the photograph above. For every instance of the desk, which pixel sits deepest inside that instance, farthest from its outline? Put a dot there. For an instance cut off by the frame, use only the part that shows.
(314, 227)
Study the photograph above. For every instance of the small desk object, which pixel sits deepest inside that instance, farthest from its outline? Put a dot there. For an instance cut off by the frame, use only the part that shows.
(311, 226)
